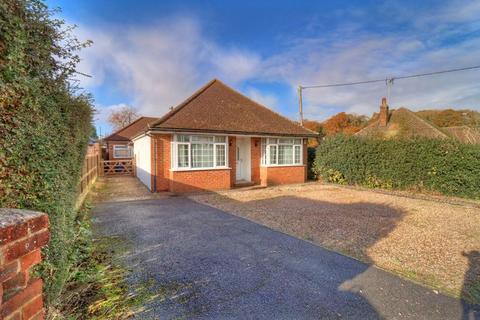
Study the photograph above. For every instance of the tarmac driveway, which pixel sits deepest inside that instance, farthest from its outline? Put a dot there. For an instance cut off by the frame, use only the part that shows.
(208, 264)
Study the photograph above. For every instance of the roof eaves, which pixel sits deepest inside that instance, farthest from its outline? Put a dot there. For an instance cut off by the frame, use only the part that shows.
(164, 129)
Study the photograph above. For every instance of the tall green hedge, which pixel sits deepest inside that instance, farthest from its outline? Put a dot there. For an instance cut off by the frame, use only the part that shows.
(440, 166)
(44, 127)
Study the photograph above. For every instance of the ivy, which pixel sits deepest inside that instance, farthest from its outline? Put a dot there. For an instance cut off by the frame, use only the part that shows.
(44, 127)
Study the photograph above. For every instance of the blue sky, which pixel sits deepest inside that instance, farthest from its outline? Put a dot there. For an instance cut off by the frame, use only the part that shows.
(153, 54)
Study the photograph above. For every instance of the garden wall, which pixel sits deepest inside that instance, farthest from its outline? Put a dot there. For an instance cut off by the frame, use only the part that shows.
(22, 235)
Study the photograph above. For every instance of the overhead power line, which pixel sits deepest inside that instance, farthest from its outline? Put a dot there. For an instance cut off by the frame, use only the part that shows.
(388, 78)
(388, 81)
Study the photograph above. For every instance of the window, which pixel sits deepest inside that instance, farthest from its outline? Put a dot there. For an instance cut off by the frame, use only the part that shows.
(202, 155)
(281, 152)
(199, 152)
(220, 150)
(182, 155)
(122, 151)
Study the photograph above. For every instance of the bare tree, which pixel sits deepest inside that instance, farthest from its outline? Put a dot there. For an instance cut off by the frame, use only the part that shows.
(122, 117)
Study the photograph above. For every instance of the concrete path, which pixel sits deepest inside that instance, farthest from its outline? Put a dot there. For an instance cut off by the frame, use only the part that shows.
(207, 264)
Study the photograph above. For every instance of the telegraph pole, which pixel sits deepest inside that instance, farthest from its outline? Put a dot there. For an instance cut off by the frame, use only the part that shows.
(300, 104)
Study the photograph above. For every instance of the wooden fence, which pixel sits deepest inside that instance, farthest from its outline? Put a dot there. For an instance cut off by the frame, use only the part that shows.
(90, 171)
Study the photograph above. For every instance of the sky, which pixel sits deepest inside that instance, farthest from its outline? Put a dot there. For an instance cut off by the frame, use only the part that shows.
(152, 55)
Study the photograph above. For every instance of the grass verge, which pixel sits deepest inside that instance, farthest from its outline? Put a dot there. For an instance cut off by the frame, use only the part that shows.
(97, 288)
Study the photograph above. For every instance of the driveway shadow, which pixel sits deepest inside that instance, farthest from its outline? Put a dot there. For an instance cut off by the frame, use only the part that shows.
(361, 226)
(471, 287)
(222, 266)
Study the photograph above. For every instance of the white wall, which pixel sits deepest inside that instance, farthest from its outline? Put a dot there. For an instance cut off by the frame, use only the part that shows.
(143, 159)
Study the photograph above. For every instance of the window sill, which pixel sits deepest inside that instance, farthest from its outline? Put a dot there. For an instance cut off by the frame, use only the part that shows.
(200, 169)
(282, 165)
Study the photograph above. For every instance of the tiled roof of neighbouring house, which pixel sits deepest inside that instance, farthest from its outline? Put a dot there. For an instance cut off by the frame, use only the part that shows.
(218, 108)
(463, 134)
(402, 123)
(133, 129)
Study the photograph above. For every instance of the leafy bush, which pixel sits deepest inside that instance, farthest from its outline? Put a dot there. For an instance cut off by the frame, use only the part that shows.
(311, 174)
(443, 166)
(44, 128)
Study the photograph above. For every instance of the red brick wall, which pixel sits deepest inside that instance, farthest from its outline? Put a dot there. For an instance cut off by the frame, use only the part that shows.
(22, 235)
(263, 176)
(198, 180)
(110, 145)
(283, 175)
(160, 145)
(256, 153)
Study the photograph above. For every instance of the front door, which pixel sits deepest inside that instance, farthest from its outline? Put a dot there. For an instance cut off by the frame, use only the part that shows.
(243, 159)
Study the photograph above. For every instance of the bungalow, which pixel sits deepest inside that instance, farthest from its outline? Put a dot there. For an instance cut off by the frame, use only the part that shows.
(218, 139)
(119, 144)
(404, 123)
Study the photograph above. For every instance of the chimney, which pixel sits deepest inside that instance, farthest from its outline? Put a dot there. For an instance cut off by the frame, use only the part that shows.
(383, 118)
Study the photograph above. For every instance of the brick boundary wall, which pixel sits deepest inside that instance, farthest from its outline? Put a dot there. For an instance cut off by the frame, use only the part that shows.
(22, 235)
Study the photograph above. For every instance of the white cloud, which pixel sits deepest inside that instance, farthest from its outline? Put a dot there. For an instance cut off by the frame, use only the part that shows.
(101, 115)
(266, 99)
(160, 65)
(354, 55)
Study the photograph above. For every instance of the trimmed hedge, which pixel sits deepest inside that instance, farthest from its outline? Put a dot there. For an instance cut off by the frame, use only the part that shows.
(439, 166)
(44, 129)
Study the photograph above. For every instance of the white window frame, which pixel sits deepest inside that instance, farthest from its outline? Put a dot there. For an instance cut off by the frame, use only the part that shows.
(122, 147)
(276, 142)
(174, 152)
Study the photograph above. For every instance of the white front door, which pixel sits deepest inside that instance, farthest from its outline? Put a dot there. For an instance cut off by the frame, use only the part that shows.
(243, 159)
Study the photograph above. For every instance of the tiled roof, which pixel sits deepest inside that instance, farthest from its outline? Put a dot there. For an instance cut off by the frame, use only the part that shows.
(133, 129)
(218, 108)
(463, 134)
(402, 123)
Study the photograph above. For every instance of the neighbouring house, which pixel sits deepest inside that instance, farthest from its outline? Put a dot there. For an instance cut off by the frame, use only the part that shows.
(404, 123)
(119, 145)
(219, 139)
(464, 134)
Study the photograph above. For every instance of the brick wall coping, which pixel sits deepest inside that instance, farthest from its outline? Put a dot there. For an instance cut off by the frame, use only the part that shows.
(23, 233)
(10, 217)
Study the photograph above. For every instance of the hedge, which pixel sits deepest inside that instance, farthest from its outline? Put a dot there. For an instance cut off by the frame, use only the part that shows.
(44, 128)
(439, 166)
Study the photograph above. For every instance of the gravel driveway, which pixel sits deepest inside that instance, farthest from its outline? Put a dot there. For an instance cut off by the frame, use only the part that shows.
(208, 264)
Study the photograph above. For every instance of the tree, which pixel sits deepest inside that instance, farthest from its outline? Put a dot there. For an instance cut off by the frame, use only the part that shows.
(451, 118)
(93, 132)
(316, 127)
(344, 123)
(122, 117)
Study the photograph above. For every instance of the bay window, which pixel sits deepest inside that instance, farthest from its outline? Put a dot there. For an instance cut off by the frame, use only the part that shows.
(281, 151)
(199, 152)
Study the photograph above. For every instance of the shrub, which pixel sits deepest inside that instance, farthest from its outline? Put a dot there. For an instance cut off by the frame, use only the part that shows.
(311, 174)
(44, 128)
(442, 166)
